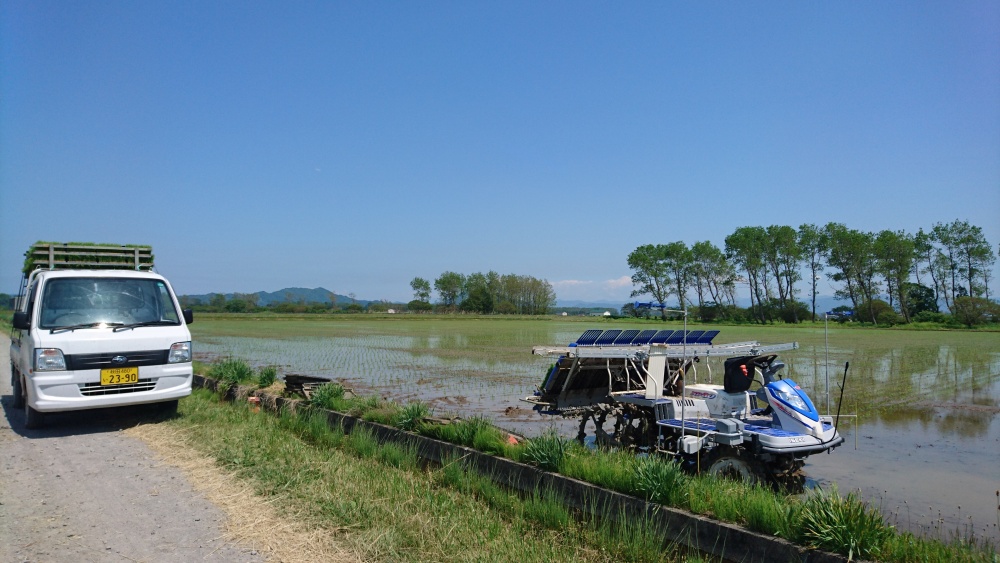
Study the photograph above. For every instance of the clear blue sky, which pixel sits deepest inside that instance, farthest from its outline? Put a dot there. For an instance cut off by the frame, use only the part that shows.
(353, 146)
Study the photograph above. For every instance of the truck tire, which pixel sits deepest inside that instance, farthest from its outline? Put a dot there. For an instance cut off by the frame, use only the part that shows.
(33, 419)
(15, 383)
(167, 409)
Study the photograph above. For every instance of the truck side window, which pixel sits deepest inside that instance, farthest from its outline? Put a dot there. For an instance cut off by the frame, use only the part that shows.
(32, 293)
(167, 310)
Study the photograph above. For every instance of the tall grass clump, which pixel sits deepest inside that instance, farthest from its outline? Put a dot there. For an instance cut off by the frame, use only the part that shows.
(375, 410)
(548, 509)
(411, 415)
(546, 451)
(634, 540)
(231, 371)
(843, 525)
(477, 432)
(660, 480)
(267, 376)
(328, 396)
(769, 512)
(611, 469)
(234, 371)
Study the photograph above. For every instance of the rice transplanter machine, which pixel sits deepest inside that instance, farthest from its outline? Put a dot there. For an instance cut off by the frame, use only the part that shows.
(634, 381)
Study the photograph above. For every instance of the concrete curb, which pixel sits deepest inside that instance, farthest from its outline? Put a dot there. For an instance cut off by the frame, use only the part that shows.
(721, 539)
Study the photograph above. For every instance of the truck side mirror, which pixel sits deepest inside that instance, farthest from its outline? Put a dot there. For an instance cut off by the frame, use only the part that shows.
(20, 321)
(188, 316)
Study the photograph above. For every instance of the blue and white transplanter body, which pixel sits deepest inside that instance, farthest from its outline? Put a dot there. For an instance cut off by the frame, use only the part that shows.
(635, 381)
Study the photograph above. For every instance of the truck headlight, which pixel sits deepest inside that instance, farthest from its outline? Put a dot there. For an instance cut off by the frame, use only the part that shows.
(179, 352)
(49, 359)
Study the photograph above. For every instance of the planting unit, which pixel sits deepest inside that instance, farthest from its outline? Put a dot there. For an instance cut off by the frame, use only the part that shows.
(635, 381)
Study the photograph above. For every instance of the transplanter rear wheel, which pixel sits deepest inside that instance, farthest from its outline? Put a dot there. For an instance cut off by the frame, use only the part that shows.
(729, 463)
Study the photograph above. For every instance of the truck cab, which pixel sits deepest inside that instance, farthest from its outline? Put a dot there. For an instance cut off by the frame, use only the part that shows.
(98, 337)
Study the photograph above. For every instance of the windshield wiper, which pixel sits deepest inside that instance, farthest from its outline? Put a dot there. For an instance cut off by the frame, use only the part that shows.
(121, 326)
(82, 325)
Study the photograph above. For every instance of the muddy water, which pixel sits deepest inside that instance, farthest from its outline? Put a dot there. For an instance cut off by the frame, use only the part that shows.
(936, 472)
(927, 433)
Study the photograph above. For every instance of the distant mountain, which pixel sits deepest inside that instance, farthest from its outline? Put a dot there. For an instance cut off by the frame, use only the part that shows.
(291, 295)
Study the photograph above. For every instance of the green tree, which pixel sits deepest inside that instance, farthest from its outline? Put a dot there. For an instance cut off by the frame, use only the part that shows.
(418, 306)
(782, 257)
(896, 251)
(477, 295)
(852, 253)
(712, 274)
(972, 311)
(493, 286)
(449, 286)
(928, 254)
(217, 301)
(948, 238)
(650, 273)
(679, 261)
(814, 245)
(630, 310)
(975, 258)
(378, 306)
(250, 299)
(746, 247)
(421, 289)
(919, 298)
(963, 254)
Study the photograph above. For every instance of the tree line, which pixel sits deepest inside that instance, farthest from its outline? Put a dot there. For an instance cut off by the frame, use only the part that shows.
(488, 293)
(888, 276)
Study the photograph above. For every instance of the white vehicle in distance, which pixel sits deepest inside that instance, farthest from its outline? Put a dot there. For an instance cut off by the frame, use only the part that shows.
(93, 327)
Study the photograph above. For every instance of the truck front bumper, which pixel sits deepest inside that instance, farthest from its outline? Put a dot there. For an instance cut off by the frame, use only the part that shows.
(79, 390)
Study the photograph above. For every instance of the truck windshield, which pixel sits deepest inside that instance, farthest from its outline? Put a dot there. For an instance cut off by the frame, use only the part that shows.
(70, 302)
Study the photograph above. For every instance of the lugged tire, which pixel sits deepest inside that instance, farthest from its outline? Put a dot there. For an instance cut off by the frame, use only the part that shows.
(167, 409)
(33, 419)
(15, 383)
(731, 463)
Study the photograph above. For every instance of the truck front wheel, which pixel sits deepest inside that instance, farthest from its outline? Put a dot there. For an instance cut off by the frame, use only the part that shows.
(32, 418)
(15, 383)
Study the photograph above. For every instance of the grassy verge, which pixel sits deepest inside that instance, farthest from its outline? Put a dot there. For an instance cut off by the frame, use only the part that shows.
(377, 501)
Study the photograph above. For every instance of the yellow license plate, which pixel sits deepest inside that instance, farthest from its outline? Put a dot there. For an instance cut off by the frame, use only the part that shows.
(117, 376)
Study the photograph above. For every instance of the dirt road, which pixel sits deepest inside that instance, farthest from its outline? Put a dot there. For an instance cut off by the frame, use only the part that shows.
(81, 490)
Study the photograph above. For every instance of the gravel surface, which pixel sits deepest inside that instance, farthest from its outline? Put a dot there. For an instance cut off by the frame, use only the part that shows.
(81, 490)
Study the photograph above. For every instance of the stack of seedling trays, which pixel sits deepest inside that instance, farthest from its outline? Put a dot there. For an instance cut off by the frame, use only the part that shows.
(79, 256)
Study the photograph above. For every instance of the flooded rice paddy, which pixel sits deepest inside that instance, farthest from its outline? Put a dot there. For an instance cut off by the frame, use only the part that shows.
(925, 445)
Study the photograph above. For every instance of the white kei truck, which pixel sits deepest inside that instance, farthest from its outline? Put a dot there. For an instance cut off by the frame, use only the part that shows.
(94, 326)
